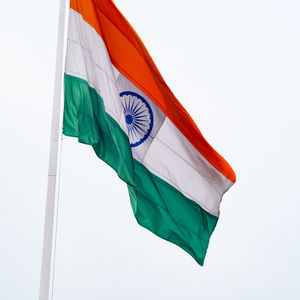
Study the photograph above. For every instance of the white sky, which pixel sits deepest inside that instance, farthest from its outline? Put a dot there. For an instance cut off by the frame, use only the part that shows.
(235, 66)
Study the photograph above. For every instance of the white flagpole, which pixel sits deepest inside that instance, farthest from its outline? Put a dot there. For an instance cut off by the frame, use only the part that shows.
(48, 258)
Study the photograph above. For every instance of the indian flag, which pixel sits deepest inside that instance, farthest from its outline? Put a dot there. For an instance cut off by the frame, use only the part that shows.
(117, 101)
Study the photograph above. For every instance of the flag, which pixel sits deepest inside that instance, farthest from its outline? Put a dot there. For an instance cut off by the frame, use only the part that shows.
(117, 101)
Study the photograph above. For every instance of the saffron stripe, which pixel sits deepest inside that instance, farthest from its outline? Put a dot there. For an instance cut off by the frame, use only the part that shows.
(130, 57)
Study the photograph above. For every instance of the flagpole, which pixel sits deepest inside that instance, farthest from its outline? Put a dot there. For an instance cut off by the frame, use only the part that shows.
(50, 225)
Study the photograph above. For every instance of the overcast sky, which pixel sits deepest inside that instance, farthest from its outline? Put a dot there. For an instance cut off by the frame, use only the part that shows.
(234, 65)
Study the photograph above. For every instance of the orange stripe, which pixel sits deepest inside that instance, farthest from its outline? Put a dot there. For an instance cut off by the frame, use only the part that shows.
(129, 55)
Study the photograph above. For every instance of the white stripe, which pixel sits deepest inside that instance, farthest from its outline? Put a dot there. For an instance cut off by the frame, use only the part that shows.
(87, 58)
(166, 153)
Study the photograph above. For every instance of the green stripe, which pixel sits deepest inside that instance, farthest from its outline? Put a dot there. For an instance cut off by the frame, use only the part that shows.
(157, 205)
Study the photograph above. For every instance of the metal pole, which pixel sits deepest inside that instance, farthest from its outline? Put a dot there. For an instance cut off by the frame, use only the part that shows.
(48, 259)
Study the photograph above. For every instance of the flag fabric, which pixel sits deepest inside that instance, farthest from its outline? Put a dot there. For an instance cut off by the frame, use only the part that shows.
(117, 102)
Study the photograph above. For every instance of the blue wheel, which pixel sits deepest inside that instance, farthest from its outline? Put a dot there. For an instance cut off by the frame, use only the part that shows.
(138, 116)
